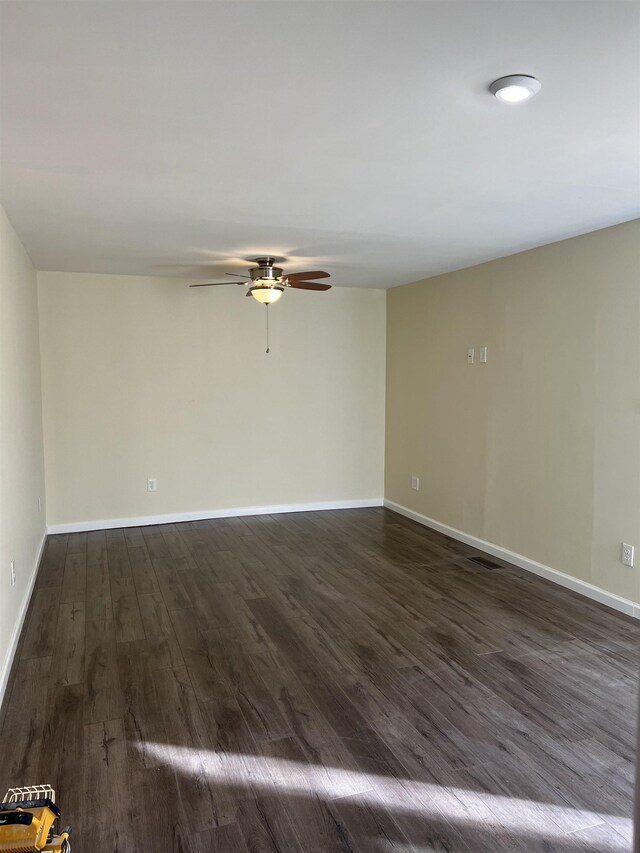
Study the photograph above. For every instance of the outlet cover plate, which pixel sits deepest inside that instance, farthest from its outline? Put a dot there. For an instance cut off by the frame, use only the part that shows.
(627, 555)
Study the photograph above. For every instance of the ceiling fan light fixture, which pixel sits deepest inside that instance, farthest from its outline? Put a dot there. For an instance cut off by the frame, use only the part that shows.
(267, 294)
(268, 281)
(515, 88)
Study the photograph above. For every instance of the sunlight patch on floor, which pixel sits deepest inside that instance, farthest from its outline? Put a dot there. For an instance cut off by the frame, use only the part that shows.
(492, 812)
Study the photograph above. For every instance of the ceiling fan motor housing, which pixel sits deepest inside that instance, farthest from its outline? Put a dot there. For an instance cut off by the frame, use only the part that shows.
(265, 270)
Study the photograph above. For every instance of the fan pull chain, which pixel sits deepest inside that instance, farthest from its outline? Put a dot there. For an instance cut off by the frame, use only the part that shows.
(267, 307)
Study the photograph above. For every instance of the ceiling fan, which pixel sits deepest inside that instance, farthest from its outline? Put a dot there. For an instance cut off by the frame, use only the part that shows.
(268, 281)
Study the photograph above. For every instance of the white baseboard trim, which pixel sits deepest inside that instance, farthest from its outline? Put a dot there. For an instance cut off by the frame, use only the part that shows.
(202, 515)
(17, 628)
(624, 605)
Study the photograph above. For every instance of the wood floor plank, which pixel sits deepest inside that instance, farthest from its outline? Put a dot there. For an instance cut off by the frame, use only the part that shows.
(144, 575)
(102, 694)
(160, 634)
(77, 543)
(215, 602)
(227, 730)
(223, 839)
(243, 577)
(173, 592)
(202, 593)
(62, 751)
(107, 791)
(117, 554)
(364, 827)
(265, 826)
(126, 612)
(176, 545)
(155, 542)
(313, 821)
(245, 683)
(51, 569)
(133, 536)
(206, 672)
(188, 748)
(515, 794)
(67, 666)
(142, 718)
(159, 822)
(98, 599)
(24, 721)
(601, 838)
(320, 743)
(40, 633)
(96, 547)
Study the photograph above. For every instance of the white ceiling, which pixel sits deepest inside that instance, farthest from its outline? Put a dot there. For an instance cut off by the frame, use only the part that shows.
(177, 138)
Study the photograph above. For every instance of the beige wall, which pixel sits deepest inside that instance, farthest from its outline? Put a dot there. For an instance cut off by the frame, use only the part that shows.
(147, 378)
(22, 527)
(537, 451)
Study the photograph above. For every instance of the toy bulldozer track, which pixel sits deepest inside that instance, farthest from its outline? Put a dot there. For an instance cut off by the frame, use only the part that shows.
(27, 818)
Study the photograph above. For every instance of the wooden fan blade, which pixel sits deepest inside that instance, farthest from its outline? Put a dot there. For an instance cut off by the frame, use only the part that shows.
(305, 276)
(217, 283)
(309, 285)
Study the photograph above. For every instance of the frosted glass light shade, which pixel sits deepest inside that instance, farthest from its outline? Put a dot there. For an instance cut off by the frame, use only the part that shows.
(267, 294)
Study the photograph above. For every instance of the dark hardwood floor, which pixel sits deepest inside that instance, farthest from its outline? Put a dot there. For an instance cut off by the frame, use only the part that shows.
(318, 682)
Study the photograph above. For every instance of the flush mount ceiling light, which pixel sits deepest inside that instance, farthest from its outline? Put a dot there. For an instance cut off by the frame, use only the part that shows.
(515, 88)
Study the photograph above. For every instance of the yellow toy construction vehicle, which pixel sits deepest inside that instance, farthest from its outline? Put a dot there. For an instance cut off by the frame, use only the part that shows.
(27, 818)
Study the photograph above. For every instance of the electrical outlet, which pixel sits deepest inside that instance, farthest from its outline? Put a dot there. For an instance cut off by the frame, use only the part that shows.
(13, 573)
(415, 483)
(627, 555)
(152, 485)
